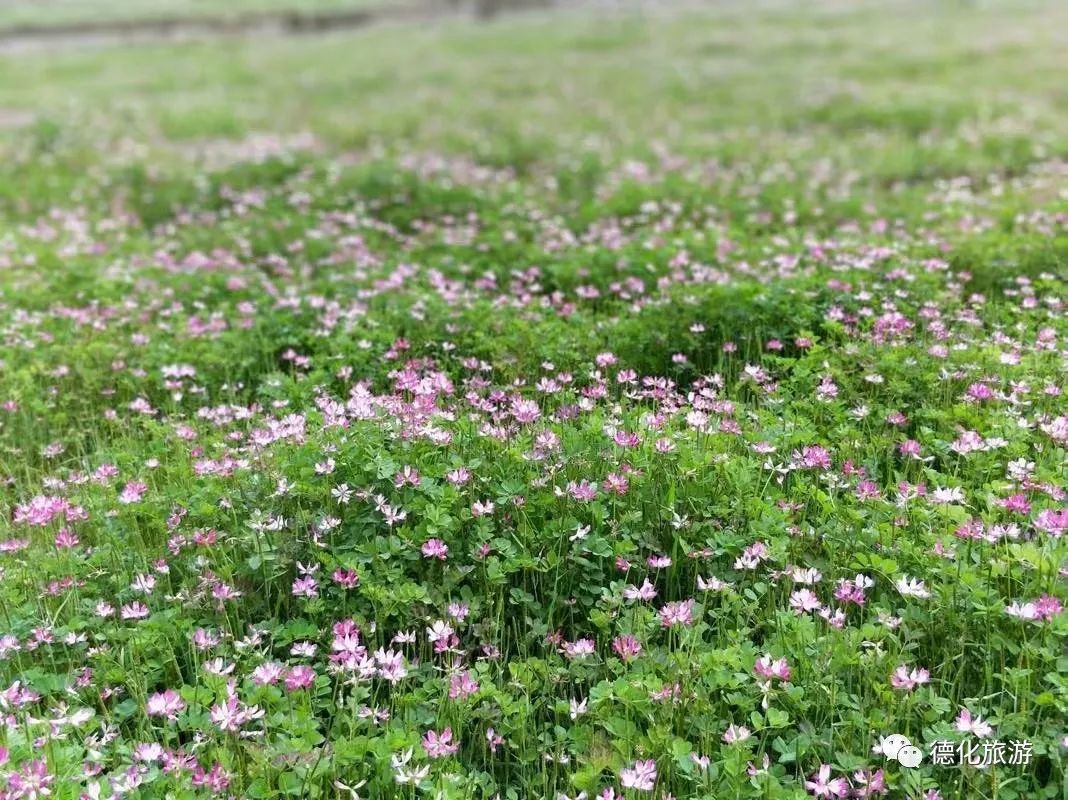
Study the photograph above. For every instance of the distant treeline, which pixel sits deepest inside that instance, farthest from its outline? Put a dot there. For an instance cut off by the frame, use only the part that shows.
(490, 8)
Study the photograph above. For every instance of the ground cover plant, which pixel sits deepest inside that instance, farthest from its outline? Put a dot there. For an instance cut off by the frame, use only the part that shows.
(657, 405)
(66, 13)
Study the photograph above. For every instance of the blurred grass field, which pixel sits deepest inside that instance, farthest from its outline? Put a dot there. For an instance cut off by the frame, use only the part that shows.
(903, 90)
(826, 110)
(814, 252)
(44, 13)
(863, 104)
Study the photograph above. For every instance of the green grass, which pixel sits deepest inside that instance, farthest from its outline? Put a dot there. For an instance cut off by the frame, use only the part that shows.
(773, 292)
(46, 13)
(701, 82)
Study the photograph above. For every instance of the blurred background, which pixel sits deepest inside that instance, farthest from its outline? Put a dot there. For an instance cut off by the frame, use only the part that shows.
(37, 16)
(896, 91)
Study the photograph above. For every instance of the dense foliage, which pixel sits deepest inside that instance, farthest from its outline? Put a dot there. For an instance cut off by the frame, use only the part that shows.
(431, 475)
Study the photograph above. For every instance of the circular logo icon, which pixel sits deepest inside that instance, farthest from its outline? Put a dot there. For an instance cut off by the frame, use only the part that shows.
(893, 743)
(909, 756)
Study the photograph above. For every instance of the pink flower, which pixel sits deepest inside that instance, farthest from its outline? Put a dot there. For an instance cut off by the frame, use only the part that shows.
(1017, 503)
(66, 539)
(583, 491)
(299, 677)
(766, 668)
(132, 492)
(752, 770)
(605, 359)
(217, 780)
(482, 508)
(458, 477)
(910, 448)
(1048, 607)
(869, 784)
(233, 714)
(852, 591)
(493, 739)
(903, 678)
(736, 733)
(148, 751)
(391, 666)
(821, 784)
(462, 685)
(642, 776)
(1055, 523)
(752, 556)
(525, 411)
(580, 648)
(643, 592)
(346, 578)
(674, 614)
(440, 745)
(966, 723)
(616, 484)
(804, 600)
(31, 782)
(165, 704)
(626, 647)
(42, 509)
(408, 476)
(868, 490)
(267, 674)
(815, 457)
(134, 611)
(712, 584)
(435, 548)
(306, 586)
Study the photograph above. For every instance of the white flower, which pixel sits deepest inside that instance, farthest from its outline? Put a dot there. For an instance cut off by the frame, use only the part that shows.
(911, 587)
(577, 709)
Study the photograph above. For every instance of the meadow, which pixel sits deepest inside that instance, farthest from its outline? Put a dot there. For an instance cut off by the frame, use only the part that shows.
(656, 403)
(44, 14)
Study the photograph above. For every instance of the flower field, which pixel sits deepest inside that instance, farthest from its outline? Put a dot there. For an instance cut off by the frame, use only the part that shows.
(660, 405)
